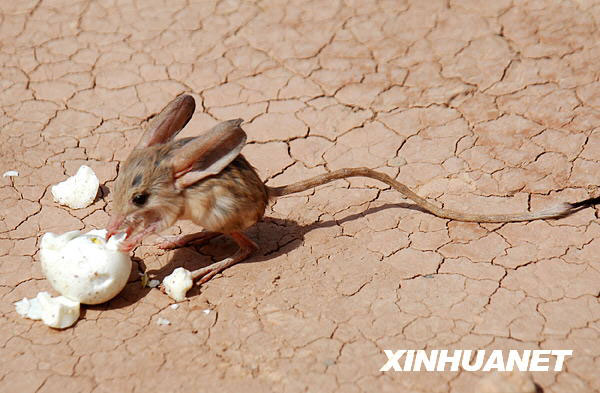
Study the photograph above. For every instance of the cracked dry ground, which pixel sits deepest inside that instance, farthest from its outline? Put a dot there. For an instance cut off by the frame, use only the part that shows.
(480, 106)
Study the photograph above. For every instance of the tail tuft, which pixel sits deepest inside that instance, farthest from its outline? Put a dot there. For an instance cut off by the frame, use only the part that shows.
(585, 203)
(562, 209)
(559, 210)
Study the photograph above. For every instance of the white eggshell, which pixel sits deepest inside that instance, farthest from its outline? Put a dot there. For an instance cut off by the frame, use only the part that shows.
(84, 267)
(57, 312)
(77, 191)
(178, 283)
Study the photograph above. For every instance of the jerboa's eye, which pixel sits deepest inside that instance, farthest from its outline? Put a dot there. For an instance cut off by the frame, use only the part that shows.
(140, 199)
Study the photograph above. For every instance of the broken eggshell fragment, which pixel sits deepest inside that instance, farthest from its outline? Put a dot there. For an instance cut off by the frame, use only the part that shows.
(77, 191)
(57, 312)
(85, 267)
(178, 283)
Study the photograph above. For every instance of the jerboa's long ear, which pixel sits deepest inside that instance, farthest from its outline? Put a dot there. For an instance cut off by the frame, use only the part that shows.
(208, 154)
(169, 121)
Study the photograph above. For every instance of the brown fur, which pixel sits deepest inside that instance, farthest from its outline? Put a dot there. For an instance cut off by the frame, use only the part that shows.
(231, 201)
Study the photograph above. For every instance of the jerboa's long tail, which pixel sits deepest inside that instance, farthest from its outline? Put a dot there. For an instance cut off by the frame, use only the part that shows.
(560, 210)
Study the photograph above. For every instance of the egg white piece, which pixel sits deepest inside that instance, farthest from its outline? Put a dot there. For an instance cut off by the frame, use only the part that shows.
(85, 267)
(57, 312)
(178, 283)
(77, 191)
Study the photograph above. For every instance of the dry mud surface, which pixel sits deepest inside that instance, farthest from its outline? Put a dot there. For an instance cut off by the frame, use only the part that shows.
(478, 105)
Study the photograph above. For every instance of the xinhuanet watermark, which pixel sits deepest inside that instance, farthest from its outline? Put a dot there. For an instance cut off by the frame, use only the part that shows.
(479, 360)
